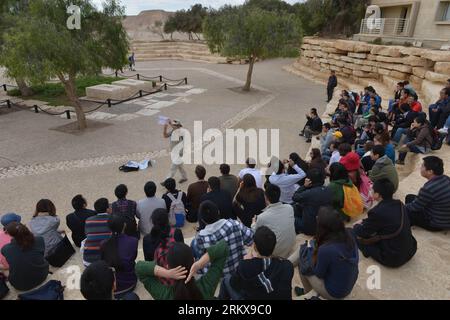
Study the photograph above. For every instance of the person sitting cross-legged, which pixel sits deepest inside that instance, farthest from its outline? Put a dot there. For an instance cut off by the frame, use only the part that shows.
(232, 231)
(279, 217)
(260, 275)
(98, 282)
(386, 233)
(383, 167)
(430, 208)
(307, 201)
(76, 221)
(120, 252)
(419, 139)
(332, 269)
(126, 208)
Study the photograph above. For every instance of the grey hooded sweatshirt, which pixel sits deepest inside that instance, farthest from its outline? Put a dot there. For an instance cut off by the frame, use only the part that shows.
(47, 228)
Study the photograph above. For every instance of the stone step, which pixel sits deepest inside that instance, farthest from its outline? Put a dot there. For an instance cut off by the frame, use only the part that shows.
(171, 51)
(211, 59)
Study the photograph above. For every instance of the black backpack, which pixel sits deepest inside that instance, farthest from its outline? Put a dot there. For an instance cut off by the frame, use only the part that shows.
(437, 139)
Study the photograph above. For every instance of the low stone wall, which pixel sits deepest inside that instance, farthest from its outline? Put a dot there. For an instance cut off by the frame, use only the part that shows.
(364, 63)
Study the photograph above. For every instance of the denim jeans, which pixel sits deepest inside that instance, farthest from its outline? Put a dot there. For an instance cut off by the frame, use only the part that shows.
(398, 134)
(195, 252)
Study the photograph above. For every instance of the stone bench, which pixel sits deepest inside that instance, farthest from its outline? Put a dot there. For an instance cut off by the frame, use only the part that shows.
(135, 85)
(108, 91)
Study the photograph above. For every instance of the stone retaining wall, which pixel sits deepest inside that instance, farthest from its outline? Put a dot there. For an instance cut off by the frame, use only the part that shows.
(363, 63)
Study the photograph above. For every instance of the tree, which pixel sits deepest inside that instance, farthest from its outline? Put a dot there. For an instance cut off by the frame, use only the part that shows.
(40, 47)
(170, 26)
(187, 21)
(8, 9)
(158, 27)
(250, 32)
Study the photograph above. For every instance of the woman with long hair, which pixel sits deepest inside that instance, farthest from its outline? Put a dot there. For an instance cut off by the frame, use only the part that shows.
(45, 223)
(182, 268)
(120, 252)
(249, 200)
(25, 256)
(162, 236)
(334, 263)
(316, 160)
(301, 163)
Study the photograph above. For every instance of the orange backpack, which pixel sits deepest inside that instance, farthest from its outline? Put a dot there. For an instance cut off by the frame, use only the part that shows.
(353, 204)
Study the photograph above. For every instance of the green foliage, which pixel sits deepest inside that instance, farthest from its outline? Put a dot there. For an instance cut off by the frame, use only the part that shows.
(187, 21)
(247, 30)
(40, 46)
(331, 17)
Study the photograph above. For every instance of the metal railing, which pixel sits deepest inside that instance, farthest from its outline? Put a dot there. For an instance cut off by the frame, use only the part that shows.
(386, 27)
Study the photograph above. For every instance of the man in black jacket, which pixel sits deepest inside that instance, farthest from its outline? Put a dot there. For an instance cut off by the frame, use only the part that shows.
(307, 201)
(313, 125)
(332, 83)
(389, 219)
(221, 198)
(260, 276)
(77, 220)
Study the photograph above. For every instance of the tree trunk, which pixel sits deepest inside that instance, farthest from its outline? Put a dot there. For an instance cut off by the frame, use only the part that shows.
(249, 73)
(24, 89)
(69, 86)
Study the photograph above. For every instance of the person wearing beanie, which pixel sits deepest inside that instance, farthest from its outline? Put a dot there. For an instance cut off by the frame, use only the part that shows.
(5, 238)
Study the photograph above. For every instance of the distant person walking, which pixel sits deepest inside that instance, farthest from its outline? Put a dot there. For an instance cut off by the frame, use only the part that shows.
(332, 83)
(177, 164)
(132, 62)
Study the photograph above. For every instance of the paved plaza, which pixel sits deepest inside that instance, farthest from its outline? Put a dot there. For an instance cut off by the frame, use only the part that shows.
(41, 158)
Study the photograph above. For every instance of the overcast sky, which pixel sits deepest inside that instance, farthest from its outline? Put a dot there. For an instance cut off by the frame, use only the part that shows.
(133, 7)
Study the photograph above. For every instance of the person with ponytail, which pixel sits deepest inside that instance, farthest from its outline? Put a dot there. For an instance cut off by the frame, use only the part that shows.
(25, 256)
(120, 252)
(162, 236)
(182, 268)
(335, 257)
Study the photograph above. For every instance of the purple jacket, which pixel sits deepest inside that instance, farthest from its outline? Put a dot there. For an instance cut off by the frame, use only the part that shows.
(127, 248)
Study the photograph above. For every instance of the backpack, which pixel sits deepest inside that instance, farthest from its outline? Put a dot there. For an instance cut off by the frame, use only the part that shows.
(437, 139)
(177, 212)
(52, 290)
(353, 204)
(160, 256)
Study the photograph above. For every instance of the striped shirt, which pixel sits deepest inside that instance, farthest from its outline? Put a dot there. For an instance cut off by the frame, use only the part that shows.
(433, 199)
(97, 231)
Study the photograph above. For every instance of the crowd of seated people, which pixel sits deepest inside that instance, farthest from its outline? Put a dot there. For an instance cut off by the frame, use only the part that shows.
(246, 227)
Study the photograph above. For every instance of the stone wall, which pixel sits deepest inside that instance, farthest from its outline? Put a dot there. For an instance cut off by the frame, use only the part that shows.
(364, 63)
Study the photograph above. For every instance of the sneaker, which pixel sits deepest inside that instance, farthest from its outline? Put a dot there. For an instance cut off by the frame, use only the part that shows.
(301, 134)
(182, 180)
(443, 130)
(308, 140)
(400, 162)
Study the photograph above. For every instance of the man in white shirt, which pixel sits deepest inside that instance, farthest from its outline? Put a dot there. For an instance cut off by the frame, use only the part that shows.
(256, 173)
(335, 155)
(287, 182)
(279, 218)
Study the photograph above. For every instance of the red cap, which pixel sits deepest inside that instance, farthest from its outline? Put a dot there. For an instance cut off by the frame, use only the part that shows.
(351, 161)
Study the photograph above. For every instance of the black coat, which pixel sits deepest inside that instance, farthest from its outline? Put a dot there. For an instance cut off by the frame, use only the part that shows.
(308, 201)
(332, 82)
(223, 201)
(385, 219)
(247, 281)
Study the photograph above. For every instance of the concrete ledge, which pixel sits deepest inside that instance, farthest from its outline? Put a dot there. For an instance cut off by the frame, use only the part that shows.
(135, 85)
(109, 91)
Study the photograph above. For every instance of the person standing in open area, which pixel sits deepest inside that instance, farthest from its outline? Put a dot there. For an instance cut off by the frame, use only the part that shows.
(332, 83)
(176, 153)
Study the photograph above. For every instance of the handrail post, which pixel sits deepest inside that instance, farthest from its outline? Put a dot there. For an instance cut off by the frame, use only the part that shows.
(36, 110)
(165, 86)
(109, 103)
(8, 103)
(68, 114)
(185, 81)
(160, 78)
(4, 87)
(137, 76)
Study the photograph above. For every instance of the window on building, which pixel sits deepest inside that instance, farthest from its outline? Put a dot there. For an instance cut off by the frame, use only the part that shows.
(446, 15)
